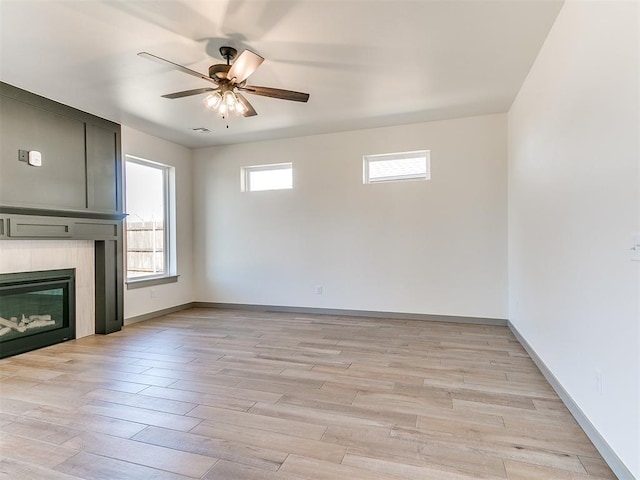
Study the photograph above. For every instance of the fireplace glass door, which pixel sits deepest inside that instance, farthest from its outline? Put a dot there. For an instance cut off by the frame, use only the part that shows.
(36, 310)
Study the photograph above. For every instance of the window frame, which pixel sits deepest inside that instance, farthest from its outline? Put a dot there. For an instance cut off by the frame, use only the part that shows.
(245, 175)
(367, 159)
(168, 187)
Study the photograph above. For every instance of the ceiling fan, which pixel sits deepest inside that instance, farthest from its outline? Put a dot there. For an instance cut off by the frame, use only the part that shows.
(229, 80)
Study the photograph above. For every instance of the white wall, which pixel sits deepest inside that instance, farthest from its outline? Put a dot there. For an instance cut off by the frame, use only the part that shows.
(139, 301)
(573, 205)
(434, 247)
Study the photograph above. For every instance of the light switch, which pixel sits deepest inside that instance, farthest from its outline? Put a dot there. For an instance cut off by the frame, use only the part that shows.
(35, 158)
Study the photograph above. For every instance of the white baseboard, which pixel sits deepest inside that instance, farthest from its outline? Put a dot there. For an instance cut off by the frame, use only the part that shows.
(353, 313)
(157, 313)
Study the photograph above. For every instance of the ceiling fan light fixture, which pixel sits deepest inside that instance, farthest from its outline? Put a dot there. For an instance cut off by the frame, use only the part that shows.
(224, 103)
(213, 101)
(240, 108)
(230, 100)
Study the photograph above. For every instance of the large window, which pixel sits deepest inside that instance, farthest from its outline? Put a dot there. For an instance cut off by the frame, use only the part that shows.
(267, 177)
(148, 223)
(392, 167)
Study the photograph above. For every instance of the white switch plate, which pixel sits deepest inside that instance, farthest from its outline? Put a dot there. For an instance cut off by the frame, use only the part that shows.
(35, 158)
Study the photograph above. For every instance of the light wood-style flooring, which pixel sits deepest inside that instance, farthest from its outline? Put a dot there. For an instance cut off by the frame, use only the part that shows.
(228, 394)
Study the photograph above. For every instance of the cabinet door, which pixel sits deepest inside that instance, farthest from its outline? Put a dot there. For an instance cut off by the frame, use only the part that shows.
(102, 169)
(60, 182)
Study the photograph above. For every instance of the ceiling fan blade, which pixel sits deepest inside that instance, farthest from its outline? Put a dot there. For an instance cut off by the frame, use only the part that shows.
(276, 93)
(188, 93)
(244, 65)
(249, 110)
(175, 66)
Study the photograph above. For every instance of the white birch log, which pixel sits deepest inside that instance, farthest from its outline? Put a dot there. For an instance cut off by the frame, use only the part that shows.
(40, 323)
(4, 330)
(8, 323)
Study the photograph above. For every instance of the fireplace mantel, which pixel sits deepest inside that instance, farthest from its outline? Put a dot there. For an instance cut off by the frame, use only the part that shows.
(30, 224)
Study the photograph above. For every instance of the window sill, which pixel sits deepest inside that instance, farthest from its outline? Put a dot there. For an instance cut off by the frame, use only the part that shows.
(151, 282)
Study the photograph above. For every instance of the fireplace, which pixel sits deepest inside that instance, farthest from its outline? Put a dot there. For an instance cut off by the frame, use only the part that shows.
(37, 309)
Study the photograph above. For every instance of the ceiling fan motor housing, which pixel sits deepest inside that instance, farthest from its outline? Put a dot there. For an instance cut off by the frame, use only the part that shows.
(219, 71)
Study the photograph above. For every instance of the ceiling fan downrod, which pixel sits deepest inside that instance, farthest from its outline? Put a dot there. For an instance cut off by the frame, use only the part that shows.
(228, 53)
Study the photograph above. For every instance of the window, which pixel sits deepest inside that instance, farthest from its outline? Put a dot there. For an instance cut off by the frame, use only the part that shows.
(391, 167)
(149, 189)
(267, 177)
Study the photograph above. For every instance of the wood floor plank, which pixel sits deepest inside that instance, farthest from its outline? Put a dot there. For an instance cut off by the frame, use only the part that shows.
(365, 412)
(339, 377)
(237, 452)
(144, 400)
(278, 441)
(97, 467)
(408, 471)
(365, 373)
(317, 416)
(33, 451)
(252, 419)
(234, 392)
(398, 402)
(597, 467)
(516, 452)
(11, 406)
(198, 398)
(527, 471)
(29, 372)
(224, 470)
(153, 456)
(6, 419)
(39, 430)
(314, 469)
(140, 415)
(231, 394)
(84, 383)
(86, 422)
(373, 443)
(11, 469)
(568, 443)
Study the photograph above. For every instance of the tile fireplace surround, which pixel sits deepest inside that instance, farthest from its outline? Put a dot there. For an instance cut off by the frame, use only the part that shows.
(33, 255)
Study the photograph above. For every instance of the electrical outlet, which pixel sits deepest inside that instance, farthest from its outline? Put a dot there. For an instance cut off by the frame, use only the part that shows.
(635, 247)
(319, 290)
(23, 155)
(152, 293)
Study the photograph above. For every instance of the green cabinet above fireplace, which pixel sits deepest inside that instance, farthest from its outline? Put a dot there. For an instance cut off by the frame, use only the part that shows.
(81, 167)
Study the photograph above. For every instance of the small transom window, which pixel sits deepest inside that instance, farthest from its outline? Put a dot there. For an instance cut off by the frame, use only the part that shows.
(267, 177)
(392, 167)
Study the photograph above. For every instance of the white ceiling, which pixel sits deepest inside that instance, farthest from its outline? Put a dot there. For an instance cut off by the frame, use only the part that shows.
(364, 63)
